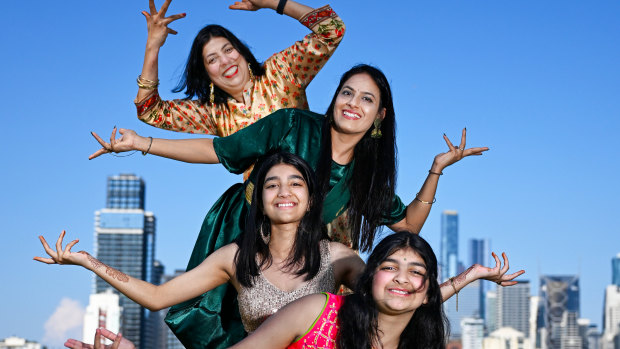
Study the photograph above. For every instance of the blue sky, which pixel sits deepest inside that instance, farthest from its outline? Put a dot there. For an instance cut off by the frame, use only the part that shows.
(535, 81)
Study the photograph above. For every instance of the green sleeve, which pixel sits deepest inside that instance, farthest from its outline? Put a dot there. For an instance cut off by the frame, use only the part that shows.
(397, 212)
(240, 150)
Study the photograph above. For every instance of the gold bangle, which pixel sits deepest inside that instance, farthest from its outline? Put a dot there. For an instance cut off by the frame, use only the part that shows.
(149, 148)
(424, 202)
(435, 173)
(455, 292)
(146, 83)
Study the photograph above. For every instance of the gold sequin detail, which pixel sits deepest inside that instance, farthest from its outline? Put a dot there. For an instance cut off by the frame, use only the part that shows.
(258, 302)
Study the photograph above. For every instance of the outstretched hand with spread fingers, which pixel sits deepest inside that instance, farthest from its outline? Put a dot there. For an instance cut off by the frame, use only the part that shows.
(119, 342)
(62, 256)
(157, 23)
(455, 154)
(249, 5)
(126, 142)
(497, 274)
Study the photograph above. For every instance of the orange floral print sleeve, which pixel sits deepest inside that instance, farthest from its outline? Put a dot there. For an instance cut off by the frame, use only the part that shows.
(287, 74)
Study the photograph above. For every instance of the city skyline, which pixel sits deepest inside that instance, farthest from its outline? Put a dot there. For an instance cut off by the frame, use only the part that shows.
(537, 82)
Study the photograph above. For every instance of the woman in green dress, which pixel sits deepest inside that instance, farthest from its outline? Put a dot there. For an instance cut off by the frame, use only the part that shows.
(353, 150)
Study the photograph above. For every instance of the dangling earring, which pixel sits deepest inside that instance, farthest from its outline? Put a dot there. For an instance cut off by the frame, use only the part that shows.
(265, 237)
(211, 94)
(251, 73)
(376, 132)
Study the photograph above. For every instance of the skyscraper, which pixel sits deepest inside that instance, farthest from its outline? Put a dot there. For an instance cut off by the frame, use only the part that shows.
(103, 311)
(125, 240)
(469, 307)
(449, 245)
(615, 270)
(490, 316)
(569, 332)
(611, 315)
(472, 333)
(479, 251)
(513, 306)
(560, 294)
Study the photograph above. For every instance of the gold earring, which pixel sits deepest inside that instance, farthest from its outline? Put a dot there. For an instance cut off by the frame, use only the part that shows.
(376, 132)
(266, 237)
(251, 73)
(212, 94)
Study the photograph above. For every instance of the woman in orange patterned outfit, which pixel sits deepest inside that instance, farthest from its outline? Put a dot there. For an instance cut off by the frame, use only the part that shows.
(226, 88)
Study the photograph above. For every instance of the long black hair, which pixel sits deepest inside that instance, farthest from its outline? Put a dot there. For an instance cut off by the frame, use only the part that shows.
(374, 164)
(305, 256)
(428, 327)
(195, 80)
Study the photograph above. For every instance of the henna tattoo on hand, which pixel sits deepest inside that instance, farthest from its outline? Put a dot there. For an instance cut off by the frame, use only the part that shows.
(113, 273)
(93, 261)
(116, 274)
(461, 278)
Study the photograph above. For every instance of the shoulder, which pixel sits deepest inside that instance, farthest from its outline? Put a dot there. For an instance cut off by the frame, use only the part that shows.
(297, 114)
(225, 256)
(339, 251)
(312, 304)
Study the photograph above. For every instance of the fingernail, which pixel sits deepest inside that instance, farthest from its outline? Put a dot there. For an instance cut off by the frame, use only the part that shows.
(114, 126)
(444, 134)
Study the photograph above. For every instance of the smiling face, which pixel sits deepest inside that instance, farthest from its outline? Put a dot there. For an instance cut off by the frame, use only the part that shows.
(226, 67)
(357, 105)
(399, 285)
(285, 195)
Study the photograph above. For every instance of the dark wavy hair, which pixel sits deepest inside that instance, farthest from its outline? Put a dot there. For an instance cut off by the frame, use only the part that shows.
(305, 256)
(195, 80)
(374, 164)
(428, 327)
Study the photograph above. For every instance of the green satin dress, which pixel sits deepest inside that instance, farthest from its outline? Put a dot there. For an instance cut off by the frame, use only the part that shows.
(212, 320)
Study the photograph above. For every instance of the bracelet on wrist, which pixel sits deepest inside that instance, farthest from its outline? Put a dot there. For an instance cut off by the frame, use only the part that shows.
(280, 8)
(149, 148)
(455, 292)
(424, 202)
(435, 173)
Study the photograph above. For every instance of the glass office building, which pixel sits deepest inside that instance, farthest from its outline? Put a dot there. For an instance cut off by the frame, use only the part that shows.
(449, 245)
(125, 240)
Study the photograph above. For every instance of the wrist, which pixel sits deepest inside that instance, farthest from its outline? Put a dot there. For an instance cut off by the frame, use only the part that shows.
(141, 143)
(153, 47)
(436, 168)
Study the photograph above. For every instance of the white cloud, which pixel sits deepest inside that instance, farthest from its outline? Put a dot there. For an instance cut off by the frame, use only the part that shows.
(65, 322)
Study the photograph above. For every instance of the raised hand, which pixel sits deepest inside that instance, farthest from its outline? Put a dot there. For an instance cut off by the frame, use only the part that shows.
(119, 342)
(62, 256)
(157, 23)
(497, 274)
(455, 154)
(126, 142)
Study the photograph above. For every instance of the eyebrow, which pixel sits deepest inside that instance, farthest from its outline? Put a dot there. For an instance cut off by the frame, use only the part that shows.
(410, 263)
(221, 48)
(289, 177)
(364, 92)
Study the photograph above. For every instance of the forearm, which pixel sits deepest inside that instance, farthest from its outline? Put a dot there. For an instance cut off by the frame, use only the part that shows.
(149, 69)
(420, 207)
(455, 284)
(292, 9)
(198, 150)
(137, 290)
